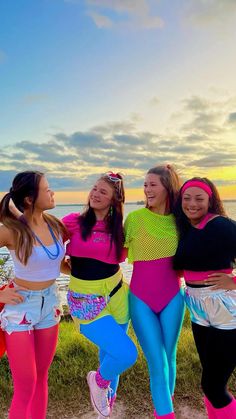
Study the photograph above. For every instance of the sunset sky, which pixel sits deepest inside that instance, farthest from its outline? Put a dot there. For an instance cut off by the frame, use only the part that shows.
(92, 85)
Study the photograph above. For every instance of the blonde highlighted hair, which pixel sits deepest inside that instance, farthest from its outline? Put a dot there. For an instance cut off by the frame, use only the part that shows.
(170, 180)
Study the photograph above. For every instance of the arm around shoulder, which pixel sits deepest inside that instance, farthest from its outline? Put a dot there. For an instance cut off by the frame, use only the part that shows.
(6, 237)
(65, 266)
(71, 221)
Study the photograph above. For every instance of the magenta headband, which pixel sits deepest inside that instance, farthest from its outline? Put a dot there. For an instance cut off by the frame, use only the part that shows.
(197, 184)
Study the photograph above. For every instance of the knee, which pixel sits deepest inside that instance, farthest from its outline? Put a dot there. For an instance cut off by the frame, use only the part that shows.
(159, 376)
(25, 387)
(42, 374)
(130, 356)
(206, 386)
(171, 357)
(158, 369)
(133, 354)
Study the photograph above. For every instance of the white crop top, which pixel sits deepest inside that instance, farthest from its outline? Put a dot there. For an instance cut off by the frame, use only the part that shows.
(40, 267)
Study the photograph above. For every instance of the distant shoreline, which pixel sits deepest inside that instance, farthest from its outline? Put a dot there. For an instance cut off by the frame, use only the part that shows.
(129, 203)
(81, 205)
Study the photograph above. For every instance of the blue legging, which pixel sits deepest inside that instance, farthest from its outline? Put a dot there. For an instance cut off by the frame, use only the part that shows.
(117, 352)
(158, 335)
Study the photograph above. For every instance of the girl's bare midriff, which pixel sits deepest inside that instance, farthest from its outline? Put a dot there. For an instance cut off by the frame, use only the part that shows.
(34, 286)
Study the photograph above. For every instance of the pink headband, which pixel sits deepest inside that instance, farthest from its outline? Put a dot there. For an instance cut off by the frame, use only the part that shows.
(196, 184)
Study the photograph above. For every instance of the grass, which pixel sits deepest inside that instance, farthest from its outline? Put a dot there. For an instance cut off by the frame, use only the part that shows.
(75, 356)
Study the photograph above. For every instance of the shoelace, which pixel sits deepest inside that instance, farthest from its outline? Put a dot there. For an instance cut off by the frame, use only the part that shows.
(104, 398)
(109, 398)
(110, 392)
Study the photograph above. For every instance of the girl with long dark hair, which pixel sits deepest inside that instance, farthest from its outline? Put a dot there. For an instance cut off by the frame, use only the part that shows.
(35, 242)
(98, 294)
(206, 254)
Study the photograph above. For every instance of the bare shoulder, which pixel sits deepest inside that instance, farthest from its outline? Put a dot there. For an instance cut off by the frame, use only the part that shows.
(6, 237)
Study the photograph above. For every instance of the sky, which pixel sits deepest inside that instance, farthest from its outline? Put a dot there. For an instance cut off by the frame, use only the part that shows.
(88, 86)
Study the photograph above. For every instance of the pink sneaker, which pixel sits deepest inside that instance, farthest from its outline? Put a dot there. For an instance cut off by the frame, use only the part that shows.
(98, 396)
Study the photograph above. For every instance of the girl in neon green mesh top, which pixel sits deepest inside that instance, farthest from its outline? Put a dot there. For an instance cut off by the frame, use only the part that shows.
(156, 301)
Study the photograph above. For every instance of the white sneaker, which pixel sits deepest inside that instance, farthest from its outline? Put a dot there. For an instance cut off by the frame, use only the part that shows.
(111, 401)
(98, 396)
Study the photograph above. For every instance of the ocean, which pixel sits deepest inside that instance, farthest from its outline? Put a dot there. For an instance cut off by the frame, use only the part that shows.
(62, 210)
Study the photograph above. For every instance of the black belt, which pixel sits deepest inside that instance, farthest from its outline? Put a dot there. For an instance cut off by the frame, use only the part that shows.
(198, 285)
(117, 287)
(91, 269)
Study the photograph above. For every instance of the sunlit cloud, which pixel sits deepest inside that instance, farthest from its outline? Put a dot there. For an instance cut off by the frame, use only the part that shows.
(73, 161)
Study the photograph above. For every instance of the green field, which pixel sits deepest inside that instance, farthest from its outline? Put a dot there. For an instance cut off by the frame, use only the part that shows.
(75, 356)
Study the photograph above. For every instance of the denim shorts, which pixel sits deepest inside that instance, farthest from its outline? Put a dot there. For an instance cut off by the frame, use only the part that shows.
(39, 310)
(208, 307)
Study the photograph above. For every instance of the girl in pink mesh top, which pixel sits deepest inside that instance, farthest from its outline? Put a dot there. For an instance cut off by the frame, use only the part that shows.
(156, 300)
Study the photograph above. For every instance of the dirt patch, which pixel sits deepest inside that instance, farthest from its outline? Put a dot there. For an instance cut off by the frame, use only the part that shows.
(121, 411)
(187, 412)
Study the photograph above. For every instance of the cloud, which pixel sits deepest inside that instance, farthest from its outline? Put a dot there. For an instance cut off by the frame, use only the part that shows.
(121, 6)
(196, 104)
(154, 101)
(128, 139)
(232, 118)
(132, 14)
(46, 152)
(206, 116)
(6, 179)
(87, 139)
(35, 99)
(117, 127)
(101, 21)
(220, 159)
(75, 160)
(210, 12)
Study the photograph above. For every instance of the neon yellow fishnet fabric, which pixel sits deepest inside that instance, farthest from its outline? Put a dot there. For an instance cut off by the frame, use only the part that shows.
(150, 236)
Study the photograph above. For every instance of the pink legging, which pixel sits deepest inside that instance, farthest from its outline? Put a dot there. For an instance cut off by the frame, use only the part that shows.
(30, 355)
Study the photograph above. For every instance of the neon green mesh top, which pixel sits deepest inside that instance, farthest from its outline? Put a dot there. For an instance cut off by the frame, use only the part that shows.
(150, 236)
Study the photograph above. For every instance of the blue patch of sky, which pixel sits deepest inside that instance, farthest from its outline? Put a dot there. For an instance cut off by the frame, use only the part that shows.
(54, 49)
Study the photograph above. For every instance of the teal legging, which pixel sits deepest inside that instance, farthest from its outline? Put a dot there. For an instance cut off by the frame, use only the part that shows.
(117, 352)
(158, 335)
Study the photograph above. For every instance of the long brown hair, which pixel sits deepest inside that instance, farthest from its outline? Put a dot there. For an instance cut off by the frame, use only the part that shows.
(25, 184)
(215, 205)
(171, 182)
(114, 219)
